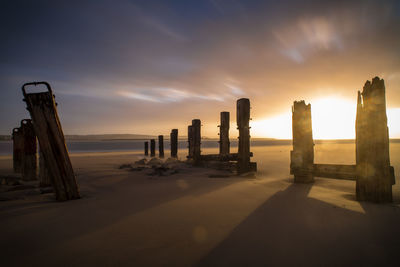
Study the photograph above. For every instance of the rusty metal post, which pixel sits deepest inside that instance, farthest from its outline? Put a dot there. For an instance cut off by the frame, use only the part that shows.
(374, 175)
(29, 157)
(152, 148)
(161, 146)
(243, 118)
(224, 145)
(174, 143)
(302, 156)
(146, 148)
(17, 149)
(196, 132)
(43, 110)
(190, 141)
(44, 175)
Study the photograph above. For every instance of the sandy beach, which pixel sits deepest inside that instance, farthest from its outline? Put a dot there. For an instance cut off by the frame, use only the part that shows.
(129, 218)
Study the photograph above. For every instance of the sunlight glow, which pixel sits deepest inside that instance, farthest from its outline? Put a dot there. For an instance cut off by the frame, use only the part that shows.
(332, 118)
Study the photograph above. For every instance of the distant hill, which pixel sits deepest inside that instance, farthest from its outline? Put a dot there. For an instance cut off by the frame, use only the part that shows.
(98, 137)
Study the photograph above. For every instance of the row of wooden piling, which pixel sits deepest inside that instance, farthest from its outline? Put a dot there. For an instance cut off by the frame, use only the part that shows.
(194, 141)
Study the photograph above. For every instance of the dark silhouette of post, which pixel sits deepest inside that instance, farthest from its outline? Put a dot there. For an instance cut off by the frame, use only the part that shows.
(196, 133)
(152, 148)
(174, 143)
(302, 156)
(43, 110)
(161, 146)
(224, 148)
(29, 157)
(374, 175)
(190, 141)
(146, 148)
(18, 142)
(44, 175)
(243, 118)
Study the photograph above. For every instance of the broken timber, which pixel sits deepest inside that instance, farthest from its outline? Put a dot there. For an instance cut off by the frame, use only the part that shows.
(146, 148)
(161, 146)
(152, 148)
(47, 126)
(242, 119)
(196, 136)
(17, 149)
(29, 147)
(44, 175)
(302, 155)
(190, 141)
(174, 143)
(375, 176)
(224, 134)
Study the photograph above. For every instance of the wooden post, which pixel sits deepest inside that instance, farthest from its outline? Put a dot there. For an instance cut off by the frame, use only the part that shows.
(43, 111)
(174, 143)
(161, 146)
(302, 156)
(44, 175)
(196, 133)
(152, 148)
(374, 175)
(243, 118)
(17, 149)
(224, 148)
(146, 148)
(29, 157)
(190, 141)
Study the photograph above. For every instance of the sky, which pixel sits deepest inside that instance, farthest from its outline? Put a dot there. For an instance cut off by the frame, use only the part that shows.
(146, 67)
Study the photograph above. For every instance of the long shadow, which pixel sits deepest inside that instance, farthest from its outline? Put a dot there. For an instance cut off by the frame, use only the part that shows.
(290, 229)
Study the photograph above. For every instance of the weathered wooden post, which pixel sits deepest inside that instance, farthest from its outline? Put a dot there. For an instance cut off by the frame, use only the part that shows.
(302, 156)
(18, 142)
(29, 157)
(161, 146)
(374, 175)
(44, 175)
(174, 143)
(224, 148)
(243, 118)
(146, 148)
(190, 141)
(46, 123)
(152, 148)
(196, 133)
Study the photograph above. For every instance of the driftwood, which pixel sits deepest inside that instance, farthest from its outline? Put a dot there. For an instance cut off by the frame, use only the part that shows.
(161, 146)
(174, 143)
(302, 156)
(29, 148)
(43, 111)
(18, 142)
(224, 144)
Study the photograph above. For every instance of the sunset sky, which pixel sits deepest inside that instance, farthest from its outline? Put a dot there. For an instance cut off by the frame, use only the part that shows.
(145, 67)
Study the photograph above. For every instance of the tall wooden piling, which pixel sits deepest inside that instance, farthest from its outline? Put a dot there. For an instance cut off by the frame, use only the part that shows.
(29, 157)
(190, 141)
(224, 145)
(44, 175)
(161, 146)
(146, 148)
(152, 148)
(302, 156)
(243, 118)
(43, 110)
(18, 142)
(374, 175)
(196, 134)
(174, 143)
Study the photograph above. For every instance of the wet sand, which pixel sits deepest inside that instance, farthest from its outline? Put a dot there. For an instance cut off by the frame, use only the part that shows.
(128, 218)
